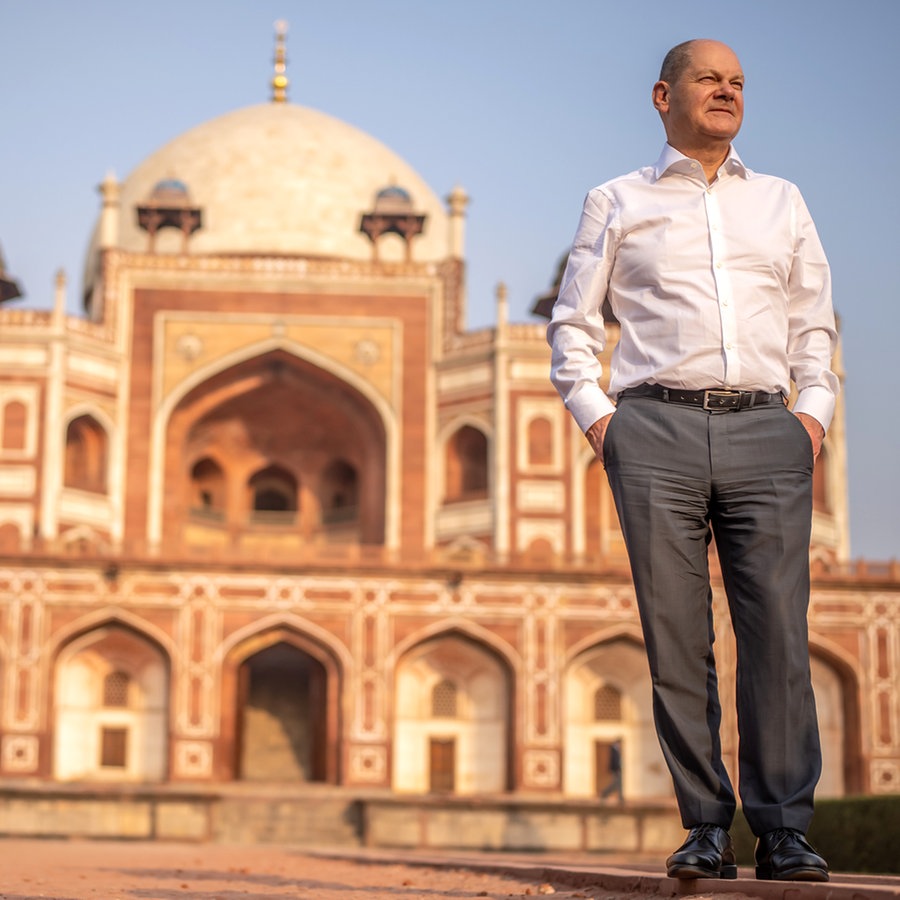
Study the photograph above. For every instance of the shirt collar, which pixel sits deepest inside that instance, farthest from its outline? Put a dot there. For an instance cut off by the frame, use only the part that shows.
(672, 160)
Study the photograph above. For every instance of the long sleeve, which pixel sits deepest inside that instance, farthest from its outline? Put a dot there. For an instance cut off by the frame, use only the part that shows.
(812, 336)
(576, 332)
(715, 285)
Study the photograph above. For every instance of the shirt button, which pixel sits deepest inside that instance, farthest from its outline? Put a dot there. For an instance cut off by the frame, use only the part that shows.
(718, 265)
(728, 346)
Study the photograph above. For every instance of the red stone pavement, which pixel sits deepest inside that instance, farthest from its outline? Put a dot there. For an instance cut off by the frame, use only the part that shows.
(125, 870)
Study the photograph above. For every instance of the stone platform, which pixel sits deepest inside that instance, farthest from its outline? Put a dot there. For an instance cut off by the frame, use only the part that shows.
(316, 815)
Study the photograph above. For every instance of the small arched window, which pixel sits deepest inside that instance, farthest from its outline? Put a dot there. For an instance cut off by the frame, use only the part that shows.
(10, 538)
(15, 420)
(274, 496)
(540, 442)
(467, 465)
(208, 489)
(339, 492)
(86, 455)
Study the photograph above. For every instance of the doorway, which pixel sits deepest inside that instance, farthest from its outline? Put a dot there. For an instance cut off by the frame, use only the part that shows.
(442, 765)
(281, 716)
(608, 769)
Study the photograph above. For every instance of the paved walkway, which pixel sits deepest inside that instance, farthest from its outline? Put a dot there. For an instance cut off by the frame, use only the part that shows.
(105, 870)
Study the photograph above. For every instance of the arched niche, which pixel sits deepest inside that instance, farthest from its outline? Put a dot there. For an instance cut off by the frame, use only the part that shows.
(452, 718)
(86, 455)
(466, 465)
(281, 719)
(110, 707)
(278, 413)
(607, 699)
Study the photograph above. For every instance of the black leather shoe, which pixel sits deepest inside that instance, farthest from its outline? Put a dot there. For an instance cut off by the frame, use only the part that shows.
(785, 855)
(707, 853)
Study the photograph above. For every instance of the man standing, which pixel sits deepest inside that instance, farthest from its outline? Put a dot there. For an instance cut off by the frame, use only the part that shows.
(722, 291)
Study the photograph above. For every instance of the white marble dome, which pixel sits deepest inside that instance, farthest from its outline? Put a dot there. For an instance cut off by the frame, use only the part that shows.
(279, 179)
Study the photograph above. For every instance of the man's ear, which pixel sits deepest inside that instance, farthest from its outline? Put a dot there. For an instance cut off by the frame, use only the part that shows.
(660, 96)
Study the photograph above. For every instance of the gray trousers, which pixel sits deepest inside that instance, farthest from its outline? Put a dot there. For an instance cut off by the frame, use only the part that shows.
(679, 474)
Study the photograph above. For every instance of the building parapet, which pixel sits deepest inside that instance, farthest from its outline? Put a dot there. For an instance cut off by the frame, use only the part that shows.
(24, 318)
(451, 563)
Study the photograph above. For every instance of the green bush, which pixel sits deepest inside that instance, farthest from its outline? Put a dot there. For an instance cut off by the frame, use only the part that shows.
(854, 834)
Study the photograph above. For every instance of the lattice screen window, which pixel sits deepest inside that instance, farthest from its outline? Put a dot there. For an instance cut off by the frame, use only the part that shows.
(607, 704)
(115, 689)
(443, 700)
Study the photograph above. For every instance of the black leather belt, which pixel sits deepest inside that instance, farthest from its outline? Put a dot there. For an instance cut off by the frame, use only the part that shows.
(712, 399)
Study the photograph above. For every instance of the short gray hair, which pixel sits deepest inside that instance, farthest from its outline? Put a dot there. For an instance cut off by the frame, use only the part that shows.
(676, 61)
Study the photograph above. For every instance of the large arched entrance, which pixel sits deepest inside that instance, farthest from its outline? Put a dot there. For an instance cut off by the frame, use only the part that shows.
(276, 453)
(452, 718)
(281, 716)
(284, 691)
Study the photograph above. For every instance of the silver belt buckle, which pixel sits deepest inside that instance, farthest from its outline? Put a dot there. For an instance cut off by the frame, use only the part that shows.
(707, 395)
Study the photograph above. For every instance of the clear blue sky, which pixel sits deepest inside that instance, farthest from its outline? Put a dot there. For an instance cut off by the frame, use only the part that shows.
(526, 104)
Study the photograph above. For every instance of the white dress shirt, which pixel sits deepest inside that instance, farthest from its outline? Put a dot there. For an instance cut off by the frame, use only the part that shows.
(721, 285)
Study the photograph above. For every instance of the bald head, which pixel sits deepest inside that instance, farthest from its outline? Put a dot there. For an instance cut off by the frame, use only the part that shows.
(700, 98)
(679, 58)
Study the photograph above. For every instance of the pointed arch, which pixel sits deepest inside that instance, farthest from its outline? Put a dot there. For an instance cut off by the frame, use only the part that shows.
(14, 420)
(607, 712)
(240, 416)
(466, 465)
(629, 633)
(86, 455)
(94, 412)
(109, 702)
(838, 700)
(208, 488)
(384, 410)
(85, 539)
(465, 628)
(453, 717)
(315, 675)
(105, 422)
(273, 495)
(540, 438)
(289, 621)
(111, 615)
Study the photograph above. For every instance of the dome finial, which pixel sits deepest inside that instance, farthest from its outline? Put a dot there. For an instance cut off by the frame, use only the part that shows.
(279, 79)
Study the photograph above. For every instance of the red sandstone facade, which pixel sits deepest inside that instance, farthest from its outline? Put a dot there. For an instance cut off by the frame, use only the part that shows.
(274, 514)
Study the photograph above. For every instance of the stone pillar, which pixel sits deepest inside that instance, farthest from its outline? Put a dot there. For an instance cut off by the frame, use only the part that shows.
(457, 201)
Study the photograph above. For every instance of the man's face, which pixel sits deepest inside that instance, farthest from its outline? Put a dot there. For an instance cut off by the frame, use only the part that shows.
(705, 106)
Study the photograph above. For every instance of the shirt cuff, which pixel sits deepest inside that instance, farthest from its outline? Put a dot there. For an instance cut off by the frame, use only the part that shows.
(818, 402)
(589, 405)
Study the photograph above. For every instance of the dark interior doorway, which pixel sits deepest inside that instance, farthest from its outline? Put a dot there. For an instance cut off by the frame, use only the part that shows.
(608, 769)
(281, 716)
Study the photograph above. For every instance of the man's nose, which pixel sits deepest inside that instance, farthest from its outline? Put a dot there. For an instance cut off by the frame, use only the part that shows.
(726, 89)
